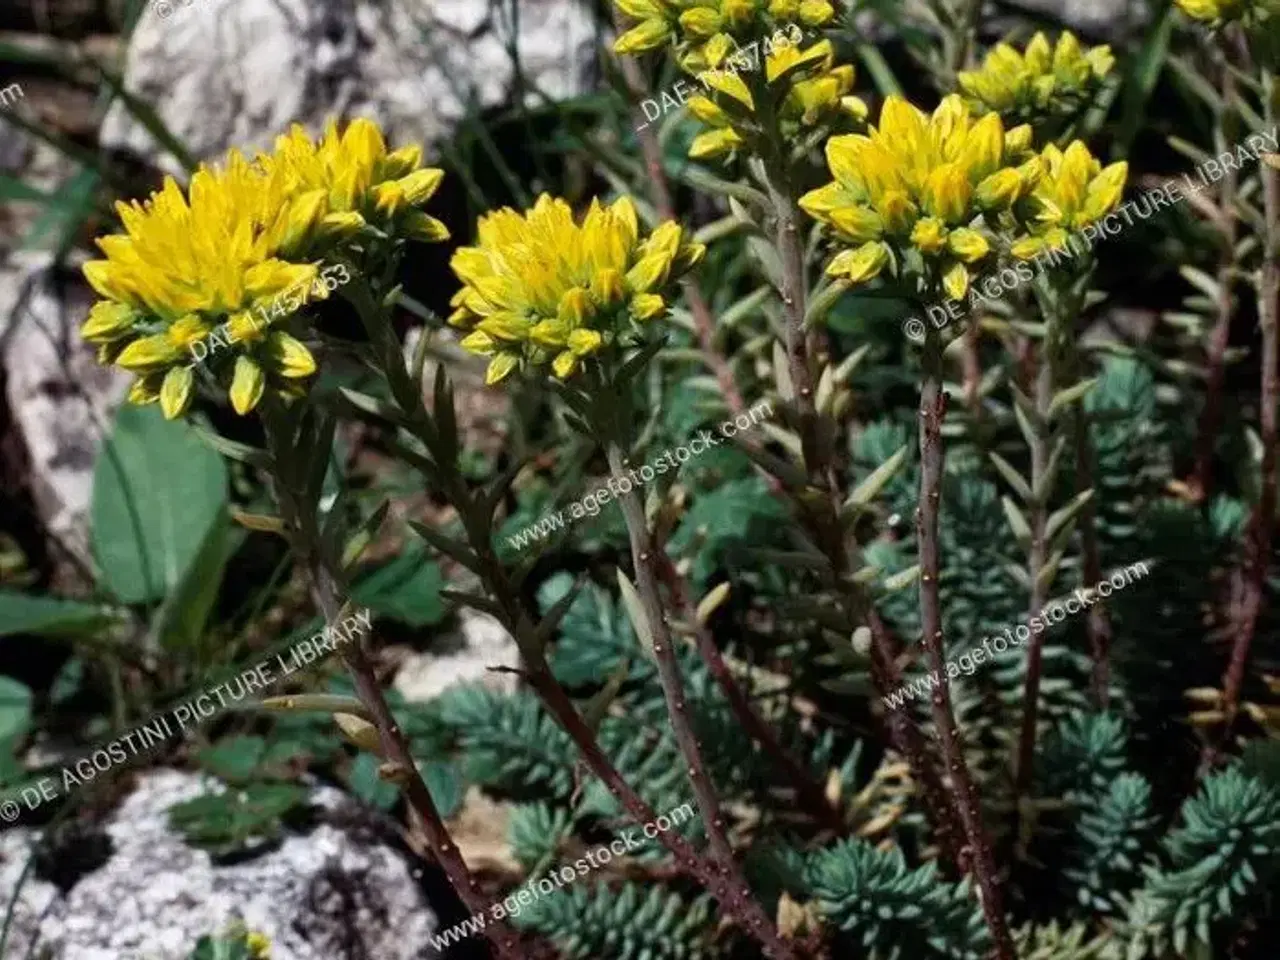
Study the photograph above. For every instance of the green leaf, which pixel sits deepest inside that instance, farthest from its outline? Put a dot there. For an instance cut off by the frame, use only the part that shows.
(157, 491)
(226, 823)
(235, 759)
(406, 589)
(636, 612)
(15, 709)
(444, 783)
(364, 782)
(870, 487)
(48, 616)
(181, 620)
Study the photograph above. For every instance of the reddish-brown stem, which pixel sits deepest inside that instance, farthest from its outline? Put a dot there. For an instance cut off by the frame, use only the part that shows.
(808, 791)
(907, 738)
(1098, 621)
(932, 409)
(396, 750)
(644, 558)
(1264, 517)
(1037, 560)
(1219, 338)
(544, 683)
(328, 593)
(703, 322)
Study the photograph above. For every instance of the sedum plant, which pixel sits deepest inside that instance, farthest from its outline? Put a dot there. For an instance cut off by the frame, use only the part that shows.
(809, 587)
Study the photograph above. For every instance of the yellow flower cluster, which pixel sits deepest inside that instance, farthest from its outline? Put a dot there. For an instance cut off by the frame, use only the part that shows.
(1041, 81)
(540, 288)
(920, 188)
(1073, 192)
(742, 51)
(245, 243)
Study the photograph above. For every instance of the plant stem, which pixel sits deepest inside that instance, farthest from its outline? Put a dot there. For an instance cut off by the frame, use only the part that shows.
(824, 524)
(1098, 621)
(808, 791)
(1038, 554)
(906, 737)
(932, 409)
(1220, 337)
(644, 558)
(794, 290)
(1264, 516)
(651, 150)
(328, 592)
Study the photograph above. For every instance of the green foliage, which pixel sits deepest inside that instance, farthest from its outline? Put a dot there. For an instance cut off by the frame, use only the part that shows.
(1221, 861)
(1128, 463)
(47, 616)
(406, 589)
(536, 831)
(900, 913)
(510, 742)
(735, 514)
(242, 818)
(1113, 832)
(591, 921)
(157, 493)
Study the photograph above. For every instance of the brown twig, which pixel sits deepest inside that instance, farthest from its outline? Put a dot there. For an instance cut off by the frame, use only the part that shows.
(906, 737)
(395, 749)
(932, 409)
(703, 322)
(808, 791)
(1219, 338)
(1264, 517)
(644, 558)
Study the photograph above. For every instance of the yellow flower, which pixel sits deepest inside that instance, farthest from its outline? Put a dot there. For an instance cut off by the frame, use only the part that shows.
(915, 186)
(728, 44)
(202, 276)
(1213, 11)
(356, 179)
(541, 288)
(1073, 192)
(259, 945)
(1039, 82)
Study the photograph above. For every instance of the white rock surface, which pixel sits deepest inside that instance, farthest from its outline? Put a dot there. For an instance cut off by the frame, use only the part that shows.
(223, 73)
(329, 895)
(61, 400)
(468, 656)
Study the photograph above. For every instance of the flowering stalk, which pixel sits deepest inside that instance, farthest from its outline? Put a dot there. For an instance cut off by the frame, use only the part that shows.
(328, 589)
(1264, 516)
(437, 436)
(645, 560)
(932, 408)
(703, 322)
(808, 791)
(1227, 222)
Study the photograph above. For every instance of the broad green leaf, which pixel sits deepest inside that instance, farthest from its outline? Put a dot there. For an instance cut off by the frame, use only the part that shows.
(182, 618)
(406, 589)
(48, 616)
(15, 709)
(157, 491)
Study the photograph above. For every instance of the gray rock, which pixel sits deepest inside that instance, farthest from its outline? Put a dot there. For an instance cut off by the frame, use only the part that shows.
(224, 73)
(329, 895)
(1103, 19)
(60, 398)
(467, 656)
